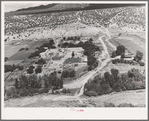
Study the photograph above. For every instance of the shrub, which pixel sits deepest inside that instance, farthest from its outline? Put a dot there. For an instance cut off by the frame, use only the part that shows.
(116, 87)
(91, 93)
(10, 92)
(72, 73)
(141, 63)
(114, 61)
(16, 83)
(89, 68)
(137, 85)
(129, 85)
(106, 88)
(41, 61)
(65, 74)
(115, 73)
(21, 49)
(125, 105)
(122, 55)
(43, 90)
(30, 71)
(38, 70)
(139, 55)
(113, 54)
(109, 79)
(23, 81)
(33, 81)
(23, 92)
(120, 50)
(20, 67)
(93, 87)
(6, 58)
(109, 105)
(66, 90)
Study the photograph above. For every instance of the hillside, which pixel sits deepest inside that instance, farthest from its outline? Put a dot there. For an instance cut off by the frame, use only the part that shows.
(65, 7)
(131, 17)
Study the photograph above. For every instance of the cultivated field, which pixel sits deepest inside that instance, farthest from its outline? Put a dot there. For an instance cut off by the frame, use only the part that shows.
(132, 43)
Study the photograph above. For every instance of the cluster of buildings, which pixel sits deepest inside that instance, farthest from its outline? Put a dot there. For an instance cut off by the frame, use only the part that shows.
(56, 57)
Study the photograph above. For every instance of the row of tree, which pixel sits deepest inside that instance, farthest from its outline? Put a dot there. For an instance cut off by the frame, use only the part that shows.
(13, 67)
(132, 62)
(115, 82)
(30, 70)
(27, 85)
(68, 73)
(71, 38)
(89, 50)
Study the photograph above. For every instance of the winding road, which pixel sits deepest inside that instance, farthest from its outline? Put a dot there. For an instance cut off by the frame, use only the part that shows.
(79, 83)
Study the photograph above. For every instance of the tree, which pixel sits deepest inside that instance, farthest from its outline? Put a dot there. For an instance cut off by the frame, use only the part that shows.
(30, 70)
(72, 54)
(115, 73)
(122, 55)
(8, 68)
(120, 50)
(24, 81)
(16, 83)
(38, 70)
(72, 73)
(109, 78)
(85, 52)
(90, 40)
(31, 67)
(20, 67)
(41, 61)
(91, 60)
(113, 54)
(141, 63)
(139, 55)
(89, 68)
(107, 75)
(6, 58)
(65, 74)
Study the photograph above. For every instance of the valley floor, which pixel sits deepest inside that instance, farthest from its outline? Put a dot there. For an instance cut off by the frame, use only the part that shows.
(134, 97)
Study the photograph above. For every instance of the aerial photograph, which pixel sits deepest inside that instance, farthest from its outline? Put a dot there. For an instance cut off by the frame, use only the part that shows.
(75, 55)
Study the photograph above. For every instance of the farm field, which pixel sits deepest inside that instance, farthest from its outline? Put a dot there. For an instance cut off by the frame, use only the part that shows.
(22, 55)
(132, 44)
(11, 50)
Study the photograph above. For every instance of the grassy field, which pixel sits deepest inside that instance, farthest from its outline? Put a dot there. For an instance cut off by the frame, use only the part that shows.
(10, 50)
(22, 55)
